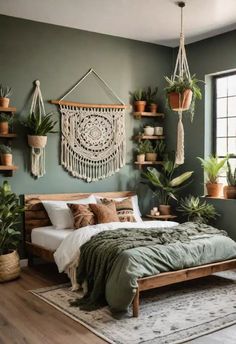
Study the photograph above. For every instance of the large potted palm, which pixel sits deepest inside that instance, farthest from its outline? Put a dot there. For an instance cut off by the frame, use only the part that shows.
(165, 184)
(10, 210)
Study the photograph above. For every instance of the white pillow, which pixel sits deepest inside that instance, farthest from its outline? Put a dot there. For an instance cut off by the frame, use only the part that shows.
(60, 214)
(137, 213)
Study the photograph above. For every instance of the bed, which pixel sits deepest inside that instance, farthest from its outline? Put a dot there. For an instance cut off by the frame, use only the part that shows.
(36, 219)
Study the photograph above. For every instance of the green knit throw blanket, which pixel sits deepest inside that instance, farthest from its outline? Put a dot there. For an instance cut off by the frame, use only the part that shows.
(100, 253)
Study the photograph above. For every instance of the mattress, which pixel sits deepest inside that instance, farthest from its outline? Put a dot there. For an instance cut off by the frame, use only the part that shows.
(49, 237)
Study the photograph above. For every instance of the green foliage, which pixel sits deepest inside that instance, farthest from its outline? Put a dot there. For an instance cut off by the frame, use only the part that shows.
(5, 92)
(4, 149)
(151, 95)
(180, 84)
(163, 183)
(5, 118)
(161, 149)
(231, 176)
(212, 167)
(142, 147)
(40, 125)
(197, 210)
(138, 95)
(10, 210)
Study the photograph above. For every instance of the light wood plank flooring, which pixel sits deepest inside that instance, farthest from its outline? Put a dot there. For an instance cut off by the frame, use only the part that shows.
(25, 319)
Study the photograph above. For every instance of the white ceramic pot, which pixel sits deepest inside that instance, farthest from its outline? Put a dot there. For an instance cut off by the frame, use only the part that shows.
(158, 131)
(149, 131)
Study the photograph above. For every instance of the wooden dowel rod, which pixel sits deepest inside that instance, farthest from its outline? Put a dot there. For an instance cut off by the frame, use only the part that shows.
(103, 106)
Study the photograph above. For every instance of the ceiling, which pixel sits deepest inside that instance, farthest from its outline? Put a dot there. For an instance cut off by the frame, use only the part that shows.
(154, 21)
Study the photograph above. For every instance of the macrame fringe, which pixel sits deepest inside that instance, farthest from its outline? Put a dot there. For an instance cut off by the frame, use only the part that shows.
(38, 161)
(179, 159)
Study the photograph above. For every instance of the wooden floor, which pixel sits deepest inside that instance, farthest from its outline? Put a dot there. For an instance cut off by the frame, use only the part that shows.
(25, 319)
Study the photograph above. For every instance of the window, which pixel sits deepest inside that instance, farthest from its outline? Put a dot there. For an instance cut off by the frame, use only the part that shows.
(225, 118)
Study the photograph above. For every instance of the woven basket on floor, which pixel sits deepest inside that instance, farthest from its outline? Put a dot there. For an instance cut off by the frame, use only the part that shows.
(9, 266)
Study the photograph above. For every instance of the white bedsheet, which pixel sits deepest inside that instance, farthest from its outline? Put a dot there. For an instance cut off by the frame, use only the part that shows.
(49, 237)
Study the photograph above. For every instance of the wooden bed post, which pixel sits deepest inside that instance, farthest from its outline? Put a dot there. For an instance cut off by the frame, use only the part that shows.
(136, 304)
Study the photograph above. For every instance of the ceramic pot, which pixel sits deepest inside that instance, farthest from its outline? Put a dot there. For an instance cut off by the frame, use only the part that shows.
(149, 131)
(4, 102)
(36, 141)
(139, 105)
(214, 189)
(151, 156)
(9, 266)
(153, 108)
(6, 159)
(180, 101)
(158, 131)
(164, 209)
(140, 158)
(230, 192)
(4, 128)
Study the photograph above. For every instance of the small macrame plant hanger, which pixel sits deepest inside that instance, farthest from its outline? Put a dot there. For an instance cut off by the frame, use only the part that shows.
(181, 71)
(93, 135)
(37, 143)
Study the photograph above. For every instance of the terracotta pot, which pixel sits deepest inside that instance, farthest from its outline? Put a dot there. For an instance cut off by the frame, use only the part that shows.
(141, 158)
(9, 266)
(140, 105)
(153, 108)
(151, 156)
(214, 189)
(6, 159)
(4, 128)
(230, 192)
(180, 101)
(4, 102)
(36, 141)
(164, 209)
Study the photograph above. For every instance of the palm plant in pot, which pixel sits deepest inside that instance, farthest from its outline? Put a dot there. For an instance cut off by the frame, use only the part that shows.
(151, 99)
(5, 93)
(6, 155)
(230, 189)
(213, 166)
(165, 184)
(10, 211)
(139, 100)
(5, 120)
(182, 93)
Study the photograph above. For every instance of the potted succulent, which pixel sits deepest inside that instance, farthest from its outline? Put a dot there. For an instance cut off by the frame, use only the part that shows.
(164, 184)
(151, 99)
(139, 99)
(141, 151)
(5, 93)
(6, 155)
(212, 167)
(5, 120)
(151, 151)
(182, 93)
(10, 210)
(196, 210)
(230, 189)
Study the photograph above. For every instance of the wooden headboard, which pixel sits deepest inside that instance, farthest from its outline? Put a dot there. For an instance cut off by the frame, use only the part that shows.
(36, 215)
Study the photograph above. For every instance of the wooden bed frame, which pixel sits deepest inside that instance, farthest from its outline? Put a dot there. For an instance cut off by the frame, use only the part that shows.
(36, 216)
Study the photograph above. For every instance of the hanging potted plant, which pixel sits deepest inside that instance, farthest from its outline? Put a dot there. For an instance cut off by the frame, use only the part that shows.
(151, 99)
(230, 189)
(182, 93)
(212, 167)
(164, 184)
(139, 100)
(6, 155)
(5, 93)
(5, 120)
(151, 151)
(10, 210)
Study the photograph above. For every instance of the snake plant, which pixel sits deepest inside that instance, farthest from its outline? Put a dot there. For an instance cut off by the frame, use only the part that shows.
(40, 125)
(231, 176)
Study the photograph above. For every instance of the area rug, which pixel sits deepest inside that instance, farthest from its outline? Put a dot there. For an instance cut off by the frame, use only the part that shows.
(173, 314)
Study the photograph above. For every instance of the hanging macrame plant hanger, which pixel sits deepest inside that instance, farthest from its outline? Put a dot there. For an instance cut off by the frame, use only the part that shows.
(93, 135)
(181, 71)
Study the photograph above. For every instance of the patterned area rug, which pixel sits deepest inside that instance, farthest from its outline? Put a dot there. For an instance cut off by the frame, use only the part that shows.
(173, 314)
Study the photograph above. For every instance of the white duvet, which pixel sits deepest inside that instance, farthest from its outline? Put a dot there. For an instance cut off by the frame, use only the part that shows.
(67, 254)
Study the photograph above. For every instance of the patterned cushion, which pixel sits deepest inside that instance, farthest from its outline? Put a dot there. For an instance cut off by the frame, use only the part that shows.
(105, 213)
(124, 209)
(83, 215)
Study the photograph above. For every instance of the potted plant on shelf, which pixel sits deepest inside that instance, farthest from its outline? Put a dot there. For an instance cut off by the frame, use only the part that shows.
(196, 210)
(10, 210)
(212, 167)
(5, 120)
(151, 99)
(141, 151)
(164, 184)
(5, 93)
(151, 151)
(6, 155)
(139, 100)
(182, 93)
(230, 189)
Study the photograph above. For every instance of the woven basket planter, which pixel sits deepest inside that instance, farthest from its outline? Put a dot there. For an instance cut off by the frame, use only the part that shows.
(9, 266)
(36, 141)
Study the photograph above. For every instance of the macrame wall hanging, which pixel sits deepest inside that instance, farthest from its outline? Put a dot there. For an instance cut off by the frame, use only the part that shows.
(93, 136)
(37, 143)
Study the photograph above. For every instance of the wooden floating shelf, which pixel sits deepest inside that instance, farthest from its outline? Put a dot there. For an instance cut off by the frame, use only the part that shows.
(149, 137)
(8, 109)
(148, 114)
(162, 217)
(146, 163)
(8, 136)
(8, 168)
